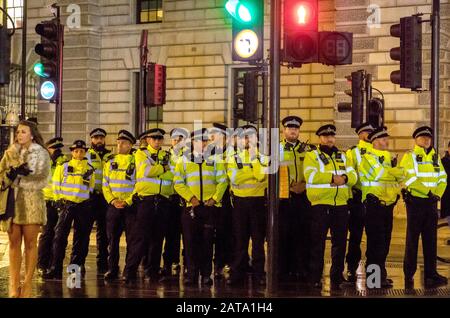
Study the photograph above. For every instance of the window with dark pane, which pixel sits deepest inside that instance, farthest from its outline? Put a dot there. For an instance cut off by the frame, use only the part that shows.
(149, 11)
(154, 117)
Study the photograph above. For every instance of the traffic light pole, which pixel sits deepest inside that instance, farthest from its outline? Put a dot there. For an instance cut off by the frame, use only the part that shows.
(434, 85)
(142, 72)
(24, 61)
(274, 121)
(58, 105)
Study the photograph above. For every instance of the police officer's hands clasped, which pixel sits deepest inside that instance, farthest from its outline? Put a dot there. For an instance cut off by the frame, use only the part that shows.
(338, 180)
(298, 187)
(195, 202)
(119, 204)
(210, 202)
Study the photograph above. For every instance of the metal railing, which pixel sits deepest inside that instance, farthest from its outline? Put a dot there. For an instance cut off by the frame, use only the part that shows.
(11, 95)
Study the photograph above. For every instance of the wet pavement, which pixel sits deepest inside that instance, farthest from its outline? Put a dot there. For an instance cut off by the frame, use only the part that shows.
(93, 285)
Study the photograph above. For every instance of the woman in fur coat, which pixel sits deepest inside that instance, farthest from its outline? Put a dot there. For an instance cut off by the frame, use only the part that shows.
(24, 170)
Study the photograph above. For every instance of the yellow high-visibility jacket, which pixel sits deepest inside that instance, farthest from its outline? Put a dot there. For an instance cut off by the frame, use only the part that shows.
(293, 156)
(97, 161)
(319, 169)
(152, 178)
(48, 190)
(355, 154)
(74, 181)
(424, 173)
(119, 178)
(378, 177)
(204, 179)
(248, 176)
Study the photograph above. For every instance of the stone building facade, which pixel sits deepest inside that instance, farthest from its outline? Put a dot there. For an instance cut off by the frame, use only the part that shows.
(194, 41)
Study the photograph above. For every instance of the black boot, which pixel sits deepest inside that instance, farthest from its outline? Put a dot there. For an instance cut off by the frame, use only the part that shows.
(52, 273)
(111, 275)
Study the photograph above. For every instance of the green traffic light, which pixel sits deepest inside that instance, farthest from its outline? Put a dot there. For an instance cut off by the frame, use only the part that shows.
(238, 11)
(39, 69)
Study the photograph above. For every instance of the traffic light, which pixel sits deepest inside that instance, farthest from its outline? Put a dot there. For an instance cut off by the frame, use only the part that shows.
(301, 25)
(409, 30)
(375, 112)
(247, 95)
(248, 29)
(303, 43)
(155, 93)
(356, 107)
(49, 66)
(5, 55)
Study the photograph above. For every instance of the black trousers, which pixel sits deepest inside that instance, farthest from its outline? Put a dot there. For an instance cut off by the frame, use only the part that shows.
(147, 228)
(294, 235)
(81, 216)
(249, 219)
(323, 218)
(172, 234)
(99, 208)
(198, 237)
(379, 220)
(356, 229)
(422, 218)
(117, 221)
(223, 238)
(46, 238)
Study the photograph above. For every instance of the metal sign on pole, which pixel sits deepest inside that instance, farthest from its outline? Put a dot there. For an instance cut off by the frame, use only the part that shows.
(274, 123)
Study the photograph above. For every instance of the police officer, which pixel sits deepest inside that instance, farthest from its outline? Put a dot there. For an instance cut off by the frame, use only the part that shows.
(356, 207)
(171, 255)
(425, 183)
(201, 181)
(119, 178)
(380, 179)
(223, 239)
(54, 147)
(445, 200)
(328, 174)
(153, 177)
(96, 156)
(73, 185)
(248, 177)
(293, 212)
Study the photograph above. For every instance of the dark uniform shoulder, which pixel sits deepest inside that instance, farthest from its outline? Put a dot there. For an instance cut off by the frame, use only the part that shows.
(312, 147)
(351, 148)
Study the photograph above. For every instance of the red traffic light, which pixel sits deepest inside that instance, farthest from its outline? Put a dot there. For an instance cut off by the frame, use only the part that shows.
(301, 14)
(300, 31)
